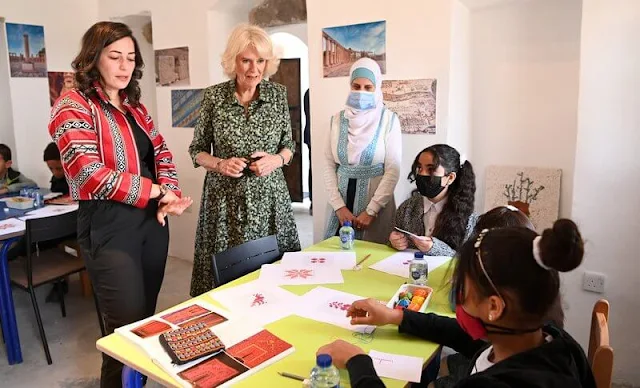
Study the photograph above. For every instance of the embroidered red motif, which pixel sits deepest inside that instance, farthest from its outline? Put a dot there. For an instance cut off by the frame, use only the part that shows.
(258, 300)
(318, 260)
(298, 273)
(340, 306)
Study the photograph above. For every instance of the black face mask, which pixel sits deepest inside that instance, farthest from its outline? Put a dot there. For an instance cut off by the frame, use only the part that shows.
(429, 186)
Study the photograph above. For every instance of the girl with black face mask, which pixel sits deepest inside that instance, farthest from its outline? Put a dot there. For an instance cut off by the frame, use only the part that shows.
(506, 280)
(441, 209)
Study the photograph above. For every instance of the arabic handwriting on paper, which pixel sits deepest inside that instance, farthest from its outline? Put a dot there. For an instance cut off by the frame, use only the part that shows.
(298, 273)
(382, 360)
(258, 300)
(318, 260)
(7, 226)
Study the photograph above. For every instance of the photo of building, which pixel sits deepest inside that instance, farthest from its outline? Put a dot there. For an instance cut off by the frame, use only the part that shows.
(27, 55)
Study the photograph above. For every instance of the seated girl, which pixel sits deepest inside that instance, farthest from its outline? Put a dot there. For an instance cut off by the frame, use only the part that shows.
(441, 210)
(506, 280)
(455, 366)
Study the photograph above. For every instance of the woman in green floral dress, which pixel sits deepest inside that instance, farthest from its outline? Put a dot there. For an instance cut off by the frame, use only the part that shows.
(243, 139)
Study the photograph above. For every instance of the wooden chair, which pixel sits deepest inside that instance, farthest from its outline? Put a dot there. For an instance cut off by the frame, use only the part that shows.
(243, 259)
(46, 266)
(600, 353)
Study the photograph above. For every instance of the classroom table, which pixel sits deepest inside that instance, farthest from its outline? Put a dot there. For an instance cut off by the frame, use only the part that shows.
(308, 335)
(7, 308)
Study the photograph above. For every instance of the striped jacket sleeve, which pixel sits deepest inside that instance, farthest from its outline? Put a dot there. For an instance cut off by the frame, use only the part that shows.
(166, 172)
(73, 129)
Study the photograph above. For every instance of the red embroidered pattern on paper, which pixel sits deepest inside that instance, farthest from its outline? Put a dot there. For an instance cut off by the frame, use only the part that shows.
(298, 273)
(340, 305)
(258, 300)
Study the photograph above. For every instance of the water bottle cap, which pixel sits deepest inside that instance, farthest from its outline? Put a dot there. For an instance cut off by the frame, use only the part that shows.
(418, 255)
(347, 223)
(323, 360)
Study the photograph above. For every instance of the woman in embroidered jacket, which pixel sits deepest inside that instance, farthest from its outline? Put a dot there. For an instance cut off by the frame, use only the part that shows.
(363, 156)
(441, 209)
(121, 172)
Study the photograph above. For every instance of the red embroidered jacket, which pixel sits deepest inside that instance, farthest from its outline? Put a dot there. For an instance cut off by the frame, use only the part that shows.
(99, 153)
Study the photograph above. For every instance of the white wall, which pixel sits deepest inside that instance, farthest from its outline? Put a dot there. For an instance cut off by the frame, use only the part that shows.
(148, 81)
(6, 110)
(30, 96)
(606, 186)
(459, 134)
(418, 45)
(524, 88)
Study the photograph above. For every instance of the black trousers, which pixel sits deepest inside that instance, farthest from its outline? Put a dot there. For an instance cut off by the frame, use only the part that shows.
(125, 249)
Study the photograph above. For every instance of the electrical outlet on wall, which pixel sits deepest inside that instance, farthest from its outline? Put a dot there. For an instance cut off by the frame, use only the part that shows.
(593, 282)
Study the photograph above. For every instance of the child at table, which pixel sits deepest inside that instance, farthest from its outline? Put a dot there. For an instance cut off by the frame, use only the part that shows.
(500, 314)
(11, 181)
(58, 180)
(455, 366)
(441, 209)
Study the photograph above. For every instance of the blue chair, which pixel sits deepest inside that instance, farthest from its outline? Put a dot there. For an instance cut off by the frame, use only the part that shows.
(131, 378)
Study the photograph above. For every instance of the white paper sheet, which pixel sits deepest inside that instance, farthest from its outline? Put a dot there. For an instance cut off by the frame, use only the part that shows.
(330, 306)
(342, 260)
(10, 226)
(262, 303)
(51, 195)
(394, 366)
(50, 210)
(278, 274)
(398, 263)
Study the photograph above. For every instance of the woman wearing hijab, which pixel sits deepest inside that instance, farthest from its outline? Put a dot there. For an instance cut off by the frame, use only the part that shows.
(363, 156)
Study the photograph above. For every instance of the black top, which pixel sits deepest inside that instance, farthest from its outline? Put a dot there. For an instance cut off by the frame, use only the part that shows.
(145, 150)
(560, 363)
(307, 113)
(59, 185)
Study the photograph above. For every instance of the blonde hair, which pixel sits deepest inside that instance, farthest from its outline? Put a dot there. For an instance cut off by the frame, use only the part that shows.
(243, 36)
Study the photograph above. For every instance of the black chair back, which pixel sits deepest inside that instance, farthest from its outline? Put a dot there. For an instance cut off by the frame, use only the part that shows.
(243, 259)
(51, 228)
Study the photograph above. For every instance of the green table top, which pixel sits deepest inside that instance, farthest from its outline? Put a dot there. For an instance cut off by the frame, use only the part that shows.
(308, 335)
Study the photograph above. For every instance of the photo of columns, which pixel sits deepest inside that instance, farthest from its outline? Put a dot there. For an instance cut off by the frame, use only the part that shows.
(343, 45)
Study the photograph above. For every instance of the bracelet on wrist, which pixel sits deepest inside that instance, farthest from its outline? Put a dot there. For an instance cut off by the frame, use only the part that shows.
(282, 157)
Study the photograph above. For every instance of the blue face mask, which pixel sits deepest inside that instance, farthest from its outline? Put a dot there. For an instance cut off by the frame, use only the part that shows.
(361, 100)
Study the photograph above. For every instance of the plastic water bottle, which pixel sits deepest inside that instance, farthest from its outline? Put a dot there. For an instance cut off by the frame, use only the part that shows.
(418, 269)
(347, 235)
(324, 374)
(38, 199)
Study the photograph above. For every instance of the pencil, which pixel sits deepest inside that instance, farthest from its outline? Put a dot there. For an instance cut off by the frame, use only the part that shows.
(291, 376)
(365, 258)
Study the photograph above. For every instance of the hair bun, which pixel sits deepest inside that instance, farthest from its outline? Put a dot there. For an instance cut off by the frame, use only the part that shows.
(561, 246)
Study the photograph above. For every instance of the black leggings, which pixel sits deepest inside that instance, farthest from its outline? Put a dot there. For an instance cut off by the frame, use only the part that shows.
(125, 250)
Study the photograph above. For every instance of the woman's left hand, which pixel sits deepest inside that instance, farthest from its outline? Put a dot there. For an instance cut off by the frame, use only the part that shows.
(174, 208)
(424, 244)
(363, 220)
(266, 163)
(341, 352)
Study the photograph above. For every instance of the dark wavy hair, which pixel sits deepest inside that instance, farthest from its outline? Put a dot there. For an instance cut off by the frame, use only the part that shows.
(451, 225)
(97, 37)
(507, 256)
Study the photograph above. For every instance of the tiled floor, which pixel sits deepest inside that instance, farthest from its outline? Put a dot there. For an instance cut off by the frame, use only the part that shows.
(76, 362)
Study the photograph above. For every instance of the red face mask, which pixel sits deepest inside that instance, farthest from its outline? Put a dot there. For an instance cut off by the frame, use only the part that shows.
(470, 324)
